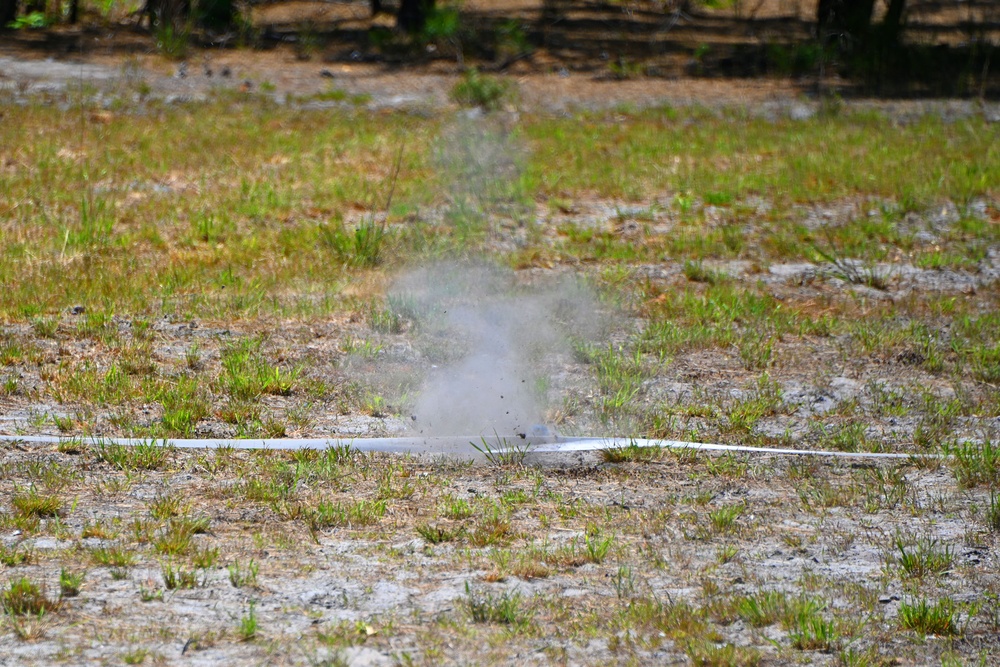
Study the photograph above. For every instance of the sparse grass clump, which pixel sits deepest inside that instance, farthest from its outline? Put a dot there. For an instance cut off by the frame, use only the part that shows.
(31, 503)
(975, 464)
(14, 555)
(506, 608)
(437, 533)
(177, 577)
(240, 576)
(23, 597)
(346, 514)
(115, 556)
(761, 609)
(632, 453)
(143, 455)
(922, 558)
(246, 374)
(723, 519)
(70, 582)
(707, 653)
(481, 90)
(925, 618)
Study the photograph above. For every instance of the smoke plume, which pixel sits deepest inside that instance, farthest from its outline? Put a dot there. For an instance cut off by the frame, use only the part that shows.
(492, 342)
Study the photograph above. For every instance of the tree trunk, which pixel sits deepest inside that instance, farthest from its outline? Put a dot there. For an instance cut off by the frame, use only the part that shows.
(892, 23)
(413, 14)
(376, 7)
(851, 18)
(74, 11)
(8, 12)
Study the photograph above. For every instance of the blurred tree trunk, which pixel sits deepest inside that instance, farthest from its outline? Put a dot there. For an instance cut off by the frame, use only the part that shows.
(413, 14)
(74, 11)
(851, 18)
(8, 12)
(893, 23)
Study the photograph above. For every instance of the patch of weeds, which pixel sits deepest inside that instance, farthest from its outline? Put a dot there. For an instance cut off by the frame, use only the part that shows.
(14, 555)
(854, 271)
(246, 374)
(192, 357)
(70, 582)
(624, 582)
(762, 401)
(491, 529)
(728, 465)
(10, 386)
(362, 348)
(697, 272)
(808, 629)
(456, 508)
(347, 633)
(924, 618)
(726, 553)
(814, 633)
(150, 593)
(921, 558)
(391, 488)
(708, 653)
(172, 43)
(385, 320)
(756, 350)
(243, 576)
(175, 577)
(204, 559)
(98, 529)
(480, 90)
(37, 505)
(761, 609)
(135, 656)
(23, 597)
(145, 455)
(248, 626)
(677, 620)
(848, 437)
(363, 247)
(113, 556)
(632, 453)
(437, 533)
(184, 405)
(174, 540)
(506, 608)
(869, 658)
(502, 452)
(73, 446)
(167, 505)
(346, 514)
(974, 463)
(992, 514)
(723, 519)
(884, 488)
(823, 494)
(596, 547)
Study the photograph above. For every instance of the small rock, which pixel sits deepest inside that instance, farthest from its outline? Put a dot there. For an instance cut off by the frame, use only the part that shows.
(78, 310)
(326, 74)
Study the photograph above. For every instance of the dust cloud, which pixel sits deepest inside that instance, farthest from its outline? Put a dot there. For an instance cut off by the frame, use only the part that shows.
(492, 340)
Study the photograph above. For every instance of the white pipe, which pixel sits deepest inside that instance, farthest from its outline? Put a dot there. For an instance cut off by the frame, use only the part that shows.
(459, 446)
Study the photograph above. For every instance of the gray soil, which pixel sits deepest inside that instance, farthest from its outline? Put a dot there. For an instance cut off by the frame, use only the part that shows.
(383, 594)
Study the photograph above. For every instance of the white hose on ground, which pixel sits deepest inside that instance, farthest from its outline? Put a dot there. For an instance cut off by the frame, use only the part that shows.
(457, 446)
